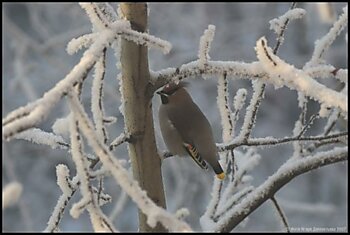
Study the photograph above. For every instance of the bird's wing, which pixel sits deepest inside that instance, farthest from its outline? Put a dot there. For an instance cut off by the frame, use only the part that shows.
(189, 131)
(190, 122)
(193, 152)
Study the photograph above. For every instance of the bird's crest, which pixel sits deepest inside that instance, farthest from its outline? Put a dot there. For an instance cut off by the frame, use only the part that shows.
(171, 87)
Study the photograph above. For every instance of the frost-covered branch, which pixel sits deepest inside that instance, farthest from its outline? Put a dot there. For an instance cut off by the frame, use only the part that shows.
(326, 71)
(252, 109)
(130, 186)
(224, 108)
(280, 213)
(283, 74)
(97, 97)
(39, 136)
(122, 138)
(98, 20)
(99, 221)
(284, 174)
(226, 122)
(235, 190)
(238, 103)
(68, 188)
(232, 199)
(273, 74)
(270, 141)
(279, 25)
(221, 214)
(322, 45)
(32, 114)
(204, 45)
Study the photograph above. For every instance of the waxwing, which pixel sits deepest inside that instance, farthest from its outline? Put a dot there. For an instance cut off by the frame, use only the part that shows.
(185, 129)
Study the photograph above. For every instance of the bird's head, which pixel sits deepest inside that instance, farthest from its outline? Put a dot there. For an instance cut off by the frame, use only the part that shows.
(169, 91)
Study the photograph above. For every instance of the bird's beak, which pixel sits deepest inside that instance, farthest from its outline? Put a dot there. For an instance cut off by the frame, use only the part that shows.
(162, 93)
(163, 97)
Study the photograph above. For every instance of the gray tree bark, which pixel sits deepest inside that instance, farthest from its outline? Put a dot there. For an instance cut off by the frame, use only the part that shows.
(136, 89)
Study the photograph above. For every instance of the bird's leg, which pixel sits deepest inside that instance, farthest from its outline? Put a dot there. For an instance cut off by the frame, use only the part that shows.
(165, 154)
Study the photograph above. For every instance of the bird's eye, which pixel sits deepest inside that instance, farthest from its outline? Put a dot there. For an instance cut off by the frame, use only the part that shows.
(164, 98)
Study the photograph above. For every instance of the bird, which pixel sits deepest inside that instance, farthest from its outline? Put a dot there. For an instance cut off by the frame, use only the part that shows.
(185, 129)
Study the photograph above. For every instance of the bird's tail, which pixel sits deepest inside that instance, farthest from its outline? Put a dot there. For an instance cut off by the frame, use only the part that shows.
(219, 171)
(193, 152)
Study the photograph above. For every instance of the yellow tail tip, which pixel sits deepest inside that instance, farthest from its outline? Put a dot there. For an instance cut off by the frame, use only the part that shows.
(221, 176)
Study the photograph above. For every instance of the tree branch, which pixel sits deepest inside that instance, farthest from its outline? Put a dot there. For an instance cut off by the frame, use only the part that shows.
(142, 150)
(280, 213)
(272, 141)
(284, 175)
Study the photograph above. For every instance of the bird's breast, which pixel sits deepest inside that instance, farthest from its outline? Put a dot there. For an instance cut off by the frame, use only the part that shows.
(172, 138)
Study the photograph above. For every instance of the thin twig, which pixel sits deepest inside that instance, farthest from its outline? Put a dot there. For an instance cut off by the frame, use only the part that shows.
(255, 103)
(281, 177)
(259, 142)
(280, 213)
(308, 124)
(122, 138)
(280, 36)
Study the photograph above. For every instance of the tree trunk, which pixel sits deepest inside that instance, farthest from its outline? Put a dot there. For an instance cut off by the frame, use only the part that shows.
(145, 161)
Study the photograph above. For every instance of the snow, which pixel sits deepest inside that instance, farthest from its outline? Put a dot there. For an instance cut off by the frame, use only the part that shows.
(249, 121)
(108, 11)
(239, 99)
(246, 163)
(301, 100)
(324, 111)
(323, 44)
(98, 20)
(60, 206)
(89, 201)
(97, 108)
(38, 136)
(81, 42)
(79, 207)
(39, 109)
(332, 119)
(326, 71)
(63, 180)
(204, 45)
(118, 140)
(182, 213)
(296, 145)
(146, 39)
(278, 24)
(121, 175)
(228, 194)
(283, 74)
(207, 224)
(61, 126)
(284, 172)
(224, 109)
